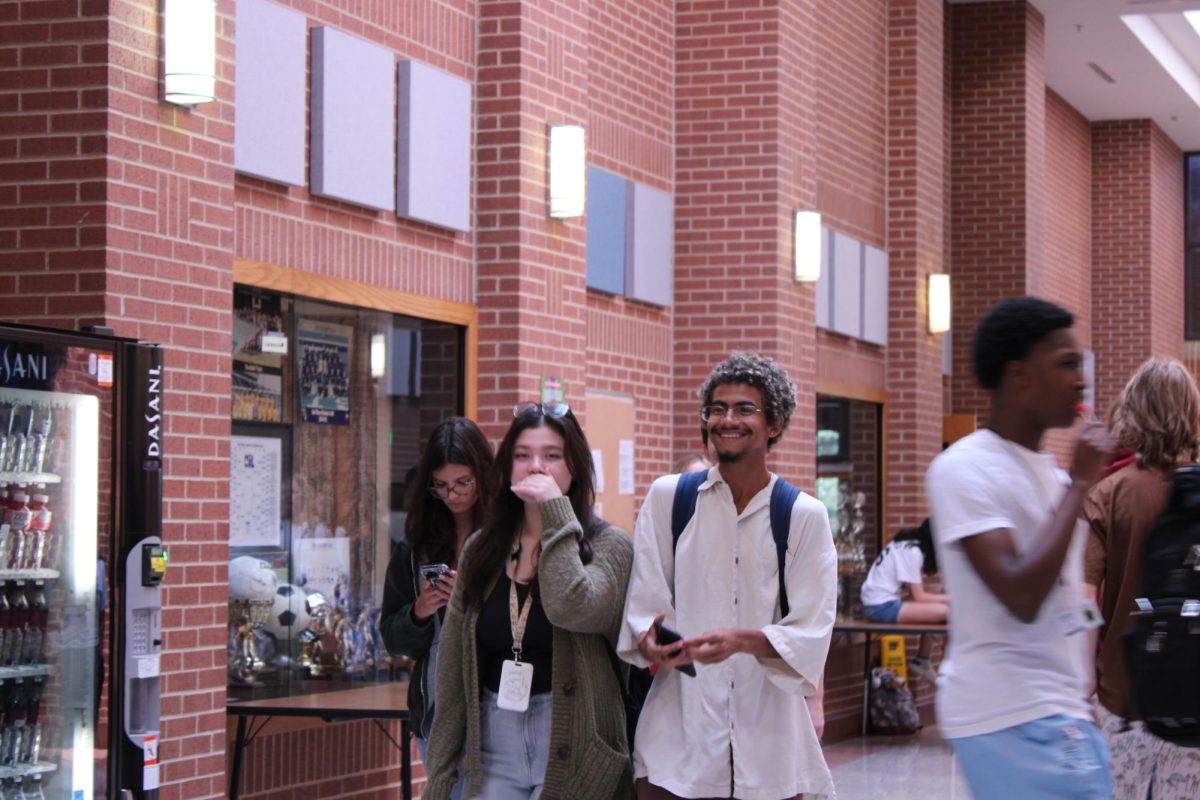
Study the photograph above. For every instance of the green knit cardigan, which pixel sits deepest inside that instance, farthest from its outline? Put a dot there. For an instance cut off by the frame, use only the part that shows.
(589, 757)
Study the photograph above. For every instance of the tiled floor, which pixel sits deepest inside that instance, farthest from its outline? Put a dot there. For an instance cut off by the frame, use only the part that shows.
(917, 767)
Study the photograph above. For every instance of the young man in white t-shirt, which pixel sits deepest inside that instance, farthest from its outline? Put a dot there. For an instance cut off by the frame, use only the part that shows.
(1012, 692)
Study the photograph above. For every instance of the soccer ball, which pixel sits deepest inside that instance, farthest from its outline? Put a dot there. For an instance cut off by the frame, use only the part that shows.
(251, 579)
(288, 614)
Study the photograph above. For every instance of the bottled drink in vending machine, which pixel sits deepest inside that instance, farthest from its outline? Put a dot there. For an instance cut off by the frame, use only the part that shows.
(39, 616)
(38, 530)
(31, 789)
(19, 613)
(12, 725)
(17, 516)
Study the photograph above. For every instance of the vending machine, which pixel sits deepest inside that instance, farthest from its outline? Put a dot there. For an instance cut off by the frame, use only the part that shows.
(81, 562)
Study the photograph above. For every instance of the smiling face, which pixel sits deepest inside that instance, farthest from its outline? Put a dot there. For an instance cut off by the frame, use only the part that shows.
(540, 450)
(736, 436)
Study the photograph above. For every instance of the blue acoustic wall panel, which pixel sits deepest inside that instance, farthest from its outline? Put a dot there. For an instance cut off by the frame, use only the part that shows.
(433, 147)
(606, 212)
(353, 128)
(650, 250)
(268, 135)
(875, 296)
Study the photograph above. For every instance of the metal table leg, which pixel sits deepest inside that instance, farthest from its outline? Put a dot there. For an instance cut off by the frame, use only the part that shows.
(405, 760)
(235, 779)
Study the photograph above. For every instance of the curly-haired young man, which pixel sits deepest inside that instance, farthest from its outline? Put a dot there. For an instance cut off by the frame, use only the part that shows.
(1006, 520)
(739, 728)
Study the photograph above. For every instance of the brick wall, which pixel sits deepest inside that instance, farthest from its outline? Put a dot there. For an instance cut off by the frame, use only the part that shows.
(745, 159)
(996, 204)
(53, 96)
(631, 117)
(916, 234)
(1137, 250)
(1067, 277)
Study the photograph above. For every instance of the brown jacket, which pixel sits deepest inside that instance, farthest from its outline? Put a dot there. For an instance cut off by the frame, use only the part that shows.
(1120, 510)
(589, 757)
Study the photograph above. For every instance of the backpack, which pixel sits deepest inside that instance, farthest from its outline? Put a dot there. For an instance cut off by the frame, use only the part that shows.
(1163, 643)
(783, 497)
(635, 688)
(892, 707)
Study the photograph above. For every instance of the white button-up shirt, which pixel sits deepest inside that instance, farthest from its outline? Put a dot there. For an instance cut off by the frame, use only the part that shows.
(739, 727)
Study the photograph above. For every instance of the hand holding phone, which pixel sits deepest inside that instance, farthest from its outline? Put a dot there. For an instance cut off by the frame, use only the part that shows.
(432, 573)
(666, 635)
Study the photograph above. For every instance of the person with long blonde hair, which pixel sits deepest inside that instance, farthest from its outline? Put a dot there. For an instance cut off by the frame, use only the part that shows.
(1157, 418)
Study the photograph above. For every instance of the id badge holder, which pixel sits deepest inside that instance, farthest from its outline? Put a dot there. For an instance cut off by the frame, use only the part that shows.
(516, 684)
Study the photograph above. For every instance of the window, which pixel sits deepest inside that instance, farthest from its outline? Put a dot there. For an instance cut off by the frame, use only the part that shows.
(331, 404)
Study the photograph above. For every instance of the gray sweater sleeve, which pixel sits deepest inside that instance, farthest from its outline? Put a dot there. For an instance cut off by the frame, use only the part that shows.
(577, 597)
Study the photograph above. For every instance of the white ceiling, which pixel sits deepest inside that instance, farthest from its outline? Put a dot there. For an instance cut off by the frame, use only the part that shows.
(1080, 33)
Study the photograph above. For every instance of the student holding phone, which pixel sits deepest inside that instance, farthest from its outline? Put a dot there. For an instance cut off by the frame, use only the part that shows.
(445, 502)
(741, 726)
(529, 697)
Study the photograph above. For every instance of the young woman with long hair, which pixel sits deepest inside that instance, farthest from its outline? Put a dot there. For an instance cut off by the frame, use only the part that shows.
(528, 687)
(1157, 418)
(446, 499)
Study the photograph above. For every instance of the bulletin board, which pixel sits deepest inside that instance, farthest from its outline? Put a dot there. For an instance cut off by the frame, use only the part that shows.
(610, 434)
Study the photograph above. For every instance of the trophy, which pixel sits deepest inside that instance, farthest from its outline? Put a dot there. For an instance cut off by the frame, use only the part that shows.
(311, 648)
(252, 585)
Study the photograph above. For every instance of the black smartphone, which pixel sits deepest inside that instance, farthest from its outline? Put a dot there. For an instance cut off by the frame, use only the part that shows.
(433, 573)
(666, 635)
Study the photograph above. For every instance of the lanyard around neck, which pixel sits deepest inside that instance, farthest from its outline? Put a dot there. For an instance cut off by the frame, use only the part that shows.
(518, 617)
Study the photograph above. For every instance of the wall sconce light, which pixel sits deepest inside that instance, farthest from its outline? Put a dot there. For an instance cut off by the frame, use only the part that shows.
(939, 302)
(568, 166)
(190, 51)
(808, 246)
(378, 355)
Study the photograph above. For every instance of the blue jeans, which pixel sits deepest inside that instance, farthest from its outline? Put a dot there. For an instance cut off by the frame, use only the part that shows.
(515, 748)
(884, 612)
(1056, 757)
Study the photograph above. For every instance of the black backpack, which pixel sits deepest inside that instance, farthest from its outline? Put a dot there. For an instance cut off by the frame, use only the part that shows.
(1163, 644)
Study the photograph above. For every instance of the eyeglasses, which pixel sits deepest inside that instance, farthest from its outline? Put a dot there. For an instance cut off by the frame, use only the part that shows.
(461, 487)
(720, 410)
(545, 409)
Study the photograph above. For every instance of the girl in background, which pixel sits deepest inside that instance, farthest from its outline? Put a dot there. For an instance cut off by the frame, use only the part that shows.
(894, 590)
(446, 499)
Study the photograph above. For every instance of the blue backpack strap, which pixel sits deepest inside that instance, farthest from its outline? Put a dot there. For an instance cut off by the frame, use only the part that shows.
(783, 497)
(684, 507)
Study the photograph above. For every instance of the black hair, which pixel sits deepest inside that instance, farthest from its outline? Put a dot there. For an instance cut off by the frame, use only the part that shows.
(761, 372)
(503, 520)
(429, 526)
(1008, 331)
(923, 536)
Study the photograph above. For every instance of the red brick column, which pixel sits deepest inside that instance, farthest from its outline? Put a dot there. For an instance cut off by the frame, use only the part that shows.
(997, 181)
(531, 269)
(916, 173)
(745, 148)
(1137, 250)
(169, 279)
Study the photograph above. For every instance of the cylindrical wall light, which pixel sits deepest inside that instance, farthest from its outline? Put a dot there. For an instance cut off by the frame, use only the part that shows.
(189, 51)
(939, 302)
(568, 168)
(808, 246)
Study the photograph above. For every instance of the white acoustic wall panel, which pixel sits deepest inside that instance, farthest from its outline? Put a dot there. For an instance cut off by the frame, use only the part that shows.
(268, 133)
(847, 270)
(875, 296)
(353, 127)
(824, 285)
(433, 147)
(650, 245)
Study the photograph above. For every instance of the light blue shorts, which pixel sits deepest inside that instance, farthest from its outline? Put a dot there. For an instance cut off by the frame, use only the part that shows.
(884, 612)
(1053, 758)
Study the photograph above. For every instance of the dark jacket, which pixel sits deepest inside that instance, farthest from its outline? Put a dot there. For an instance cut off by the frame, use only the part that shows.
(401, 635)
